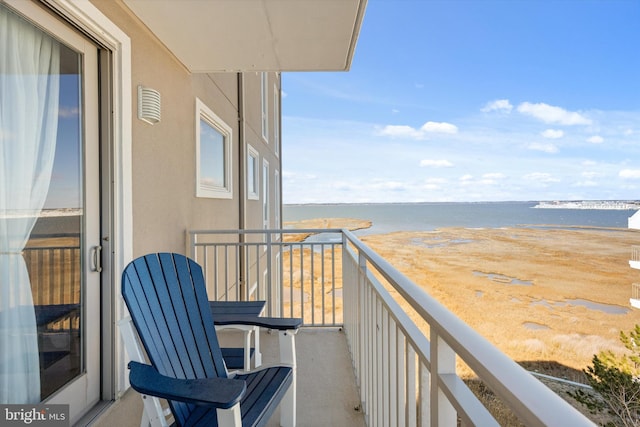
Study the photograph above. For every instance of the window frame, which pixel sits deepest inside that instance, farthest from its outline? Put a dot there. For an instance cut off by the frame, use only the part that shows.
(266, 203)
(204, 113)
(253, 193)
(276, 119)
(276, 202)
(264, 102)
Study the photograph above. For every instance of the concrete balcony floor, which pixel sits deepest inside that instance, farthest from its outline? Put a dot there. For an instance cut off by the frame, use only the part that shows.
(327, 394)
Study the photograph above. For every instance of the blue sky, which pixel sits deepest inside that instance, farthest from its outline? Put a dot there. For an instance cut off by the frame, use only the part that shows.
(476, 100)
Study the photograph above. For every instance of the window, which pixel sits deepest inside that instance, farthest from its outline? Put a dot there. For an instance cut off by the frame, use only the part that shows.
(265, 108)
(276, 120)
(213, 154)
(253, 173)
(265, 194)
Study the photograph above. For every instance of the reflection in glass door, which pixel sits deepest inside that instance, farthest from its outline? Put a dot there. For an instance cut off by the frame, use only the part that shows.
(49, 213)
(54, 247)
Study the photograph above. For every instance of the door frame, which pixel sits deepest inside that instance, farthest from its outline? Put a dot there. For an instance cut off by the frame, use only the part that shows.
(115, 60)
(116, 165)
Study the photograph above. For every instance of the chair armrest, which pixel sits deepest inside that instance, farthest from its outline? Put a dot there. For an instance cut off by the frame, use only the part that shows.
(279, 323)
(217, 392)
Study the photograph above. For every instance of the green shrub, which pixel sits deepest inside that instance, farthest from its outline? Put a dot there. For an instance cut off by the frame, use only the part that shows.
(615, 380)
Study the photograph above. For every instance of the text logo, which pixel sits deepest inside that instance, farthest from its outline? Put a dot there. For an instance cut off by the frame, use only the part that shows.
(40, 415)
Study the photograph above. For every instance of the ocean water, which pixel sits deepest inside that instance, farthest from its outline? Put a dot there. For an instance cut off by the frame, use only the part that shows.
(392, 217)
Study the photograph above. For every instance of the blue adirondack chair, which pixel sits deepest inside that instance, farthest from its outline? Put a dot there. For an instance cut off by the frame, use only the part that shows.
(166, 297)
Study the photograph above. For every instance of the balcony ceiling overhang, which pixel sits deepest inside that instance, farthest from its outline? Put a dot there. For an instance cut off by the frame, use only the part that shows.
(255, 35)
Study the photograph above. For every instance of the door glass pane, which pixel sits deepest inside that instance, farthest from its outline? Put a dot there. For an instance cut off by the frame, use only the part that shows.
(56, 242)
(53, 251)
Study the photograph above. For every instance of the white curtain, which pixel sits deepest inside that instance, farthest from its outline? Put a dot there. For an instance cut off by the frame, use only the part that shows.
(29, 91)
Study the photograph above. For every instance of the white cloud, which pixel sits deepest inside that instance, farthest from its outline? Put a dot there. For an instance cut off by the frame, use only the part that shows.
(435, 163)
(389, 186)
(494, 175)
(288, 175)
(395, 110)
(596, 139)
(545, 147)
(404, 131)
(485, 145)
(498, 105)
(439, 127)
(398, 131)
(587, 183)
(436, 181)
(491, 178)
(551, 114)
(553, 134)
(629, 174)
(540, 177)
(591, 174)
(67, 113)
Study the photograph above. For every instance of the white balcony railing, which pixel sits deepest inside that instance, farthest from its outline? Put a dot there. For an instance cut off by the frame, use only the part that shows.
(635, 291)
(634, 262)
(404, 376)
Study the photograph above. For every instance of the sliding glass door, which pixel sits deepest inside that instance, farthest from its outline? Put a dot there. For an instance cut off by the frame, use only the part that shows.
(49, 211)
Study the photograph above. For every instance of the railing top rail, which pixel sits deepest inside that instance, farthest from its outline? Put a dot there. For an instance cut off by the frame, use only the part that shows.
(268, 231)
(528, 397)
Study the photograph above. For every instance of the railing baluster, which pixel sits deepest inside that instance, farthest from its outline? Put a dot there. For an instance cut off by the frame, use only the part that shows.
(269, 261)
(424, 406)
(401, 373)
(391, 373)
(377, 372)
(291, 280)
(333, 286)
(301, 272)
(384, 377)
(443, 361)
(322, 278)
(237, 273)
(371, 359)
(51, 278)
(411, 387)
(312, 284)
(362, 301)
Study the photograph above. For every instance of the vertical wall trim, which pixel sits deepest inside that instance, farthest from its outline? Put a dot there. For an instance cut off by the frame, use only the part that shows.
(242, 181)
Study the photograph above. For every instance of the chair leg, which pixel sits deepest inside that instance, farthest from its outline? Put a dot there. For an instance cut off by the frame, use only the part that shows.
(144, 421)
(287, 340)
(247, 349)
(257, 356)
(229, 417)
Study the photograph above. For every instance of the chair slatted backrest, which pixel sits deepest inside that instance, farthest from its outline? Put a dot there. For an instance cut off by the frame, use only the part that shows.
(167, 299)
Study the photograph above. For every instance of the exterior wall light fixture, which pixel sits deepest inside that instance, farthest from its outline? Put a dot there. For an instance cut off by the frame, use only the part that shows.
(148, 105)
